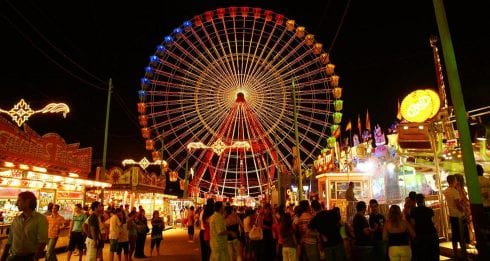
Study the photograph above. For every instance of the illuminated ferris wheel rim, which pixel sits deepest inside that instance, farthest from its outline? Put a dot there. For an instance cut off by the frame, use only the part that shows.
(194, 78)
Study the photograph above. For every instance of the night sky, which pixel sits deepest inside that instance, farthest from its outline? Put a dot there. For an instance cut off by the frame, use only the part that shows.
(65, 51)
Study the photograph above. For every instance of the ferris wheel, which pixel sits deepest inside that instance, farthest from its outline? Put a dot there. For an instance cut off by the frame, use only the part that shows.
(218, 96)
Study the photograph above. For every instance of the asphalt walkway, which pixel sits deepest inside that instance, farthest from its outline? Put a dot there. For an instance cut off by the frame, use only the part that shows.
(175, 246)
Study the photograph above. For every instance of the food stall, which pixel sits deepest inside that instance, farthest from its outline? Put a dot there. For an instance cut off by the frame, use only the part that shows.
(53, 170)
(135, 187)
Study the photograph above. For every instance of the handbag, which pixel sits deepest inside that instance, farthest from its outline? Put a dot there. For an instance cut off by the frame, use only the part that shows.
(255, 233)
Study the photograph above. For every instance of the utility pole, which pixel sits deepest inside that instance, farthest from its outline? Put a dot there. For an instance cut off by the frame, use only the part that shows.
(186, 179)
(279, 174)
(296, 136)
(474, 193)
(106, 134)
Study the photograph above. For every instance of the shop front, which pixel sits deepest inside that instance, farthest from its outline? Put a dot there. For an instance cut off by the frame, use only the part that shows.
(53, 170)
(135, 187)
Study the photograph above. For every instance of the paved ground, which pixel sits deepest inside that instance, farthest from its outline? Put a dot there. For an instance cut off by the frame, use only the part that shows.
(174, 247)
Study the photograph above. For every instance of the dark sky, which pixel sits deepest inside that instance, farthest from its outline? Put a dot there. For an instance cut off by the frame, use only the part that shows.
(65, 51)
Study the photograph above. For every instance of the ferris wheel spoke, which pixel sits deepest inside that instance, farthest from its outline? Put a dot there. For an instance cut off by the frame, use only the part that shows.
(230, 61)
(286, 40)
(219, 71)
(249, 60)
(225, 65)
(257, 67)
(202, 58)
(284, 69)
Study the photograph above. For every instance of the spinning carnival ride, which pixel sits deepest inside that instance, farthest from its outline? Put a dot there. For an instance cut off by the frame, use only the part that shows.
(218, 95)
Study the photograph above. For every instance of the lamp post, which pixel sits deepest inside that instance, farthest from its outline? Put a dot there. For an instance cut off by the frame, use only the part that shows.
(474, 193)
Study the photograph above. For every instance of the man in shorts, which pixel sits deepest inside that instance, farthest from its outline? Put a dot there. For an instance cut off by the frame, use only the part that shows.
(94, 237)
(459, 229)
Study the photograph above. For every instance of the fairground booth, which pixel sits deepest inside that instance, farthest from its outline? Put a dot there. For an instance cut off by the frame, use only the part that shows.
(55, 171)
(135, 187)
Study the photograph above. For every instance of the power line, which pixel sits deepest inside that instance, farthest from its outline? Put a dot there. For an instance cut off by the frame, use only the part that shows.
(51, 44)
(340, 26)
(125, 108)
(48, 57)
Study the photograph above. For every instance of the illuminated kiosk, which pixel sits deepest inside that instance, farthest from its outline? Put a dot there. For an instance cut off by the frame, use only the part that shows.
(420, 139)
(135, 187)
(333, 181)
(53, 170)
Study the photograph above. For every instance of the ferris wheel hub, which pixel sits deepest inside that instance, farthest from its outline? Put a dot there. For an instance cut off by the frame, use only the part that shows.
(240, 97)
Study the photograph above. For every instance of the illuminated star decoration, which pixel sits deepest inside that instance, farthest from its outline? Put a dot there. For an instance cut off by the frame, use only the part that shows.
(219, 146)
(21, 112)
(143, 163)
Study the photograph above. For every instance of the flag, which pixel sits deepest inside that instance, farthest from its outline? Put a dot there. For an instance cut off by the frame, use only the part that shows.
(399, 112)
(368, 121)
(359, 123)
(349, 126)
(336, 133)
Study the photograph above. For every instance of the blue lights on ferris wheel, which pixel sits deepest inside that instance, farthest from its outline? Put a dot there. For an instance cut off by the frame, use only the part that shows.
(142, 94)
(177, 31)
(154, 60)
(144, 84)
(187, 24)
(149, 71)
(168, 40)
(161, 50)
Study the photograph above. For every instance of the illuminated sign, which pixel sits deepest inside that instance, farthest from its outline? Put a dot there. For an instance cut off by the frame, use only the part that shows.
(22, 111)
(49, 151)
(420, 105)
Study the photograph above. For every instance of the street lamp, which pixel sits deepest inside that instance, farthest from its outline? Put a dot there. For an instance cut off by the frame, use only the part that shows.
(294, 189)
(305, 189)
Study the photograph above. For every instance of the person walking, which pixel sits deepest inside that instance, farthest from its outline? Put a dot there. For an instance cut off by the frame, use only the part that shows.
(289, 240)
(459, 229)
(123, 238)
(328, 223)
(351, 202)
(142, 230)
(28, 231)
(397, 232)
(157, 226)
(94, 240)
(132, 232)
(233, 224)
(364, 244)
(426, 243)
(376, 223)
(190, 215)
(204, 234)
(76, 234)
(115, 224)
(219, 234)
(55, 224)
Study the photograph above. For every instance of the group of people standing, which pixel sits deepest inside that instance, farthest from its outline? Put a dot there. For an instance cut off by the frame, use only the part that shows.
(127, 232)
(31, 233)
(310, 232)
